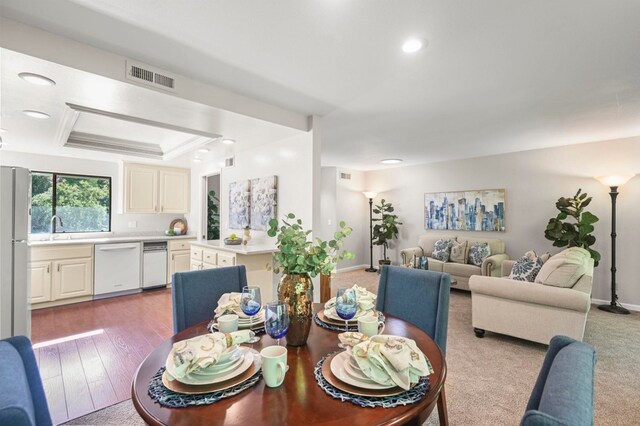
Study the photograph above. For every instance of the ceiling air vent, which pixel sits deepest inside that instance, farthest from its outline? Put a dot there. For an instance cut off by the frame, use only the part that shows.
(149, 76)
(346, 176)
(229, 162)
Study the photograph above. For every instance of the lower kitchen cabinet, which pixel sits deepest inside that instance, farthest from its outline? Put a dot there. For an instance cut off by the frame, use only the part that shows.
(40, 282)
(179, 257)
(61, 275)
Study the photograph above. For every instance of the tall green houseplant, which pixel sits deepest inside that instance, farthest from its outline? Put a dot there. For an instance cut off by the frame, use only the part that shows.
(386, 227)
(299, 259)
(573, 226)
(213, 216)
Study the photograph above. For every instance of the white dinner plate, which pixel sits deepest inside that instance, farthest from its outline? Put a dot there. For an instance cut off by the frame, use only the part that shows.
(338, 370)
(352, 369)
(206, 380)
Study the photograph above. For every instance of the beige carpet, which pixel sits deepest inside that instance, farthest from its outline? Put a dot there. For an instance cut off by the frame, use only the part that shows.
(490, 379)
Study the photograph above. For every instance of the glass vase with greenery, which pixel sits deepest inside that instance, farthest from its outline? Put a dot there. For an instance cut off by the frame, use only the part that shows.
(573, 226)
(385, 228)
(299, 258)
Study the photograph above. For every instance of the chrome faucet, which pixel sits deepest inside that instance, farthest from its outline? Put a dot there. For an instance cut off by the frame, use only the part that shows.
(53, 221)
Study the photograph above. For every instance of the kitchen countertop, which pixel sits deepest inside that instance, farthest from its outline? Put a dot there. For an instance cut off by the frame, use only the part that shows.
(107, 240)
(240, 249)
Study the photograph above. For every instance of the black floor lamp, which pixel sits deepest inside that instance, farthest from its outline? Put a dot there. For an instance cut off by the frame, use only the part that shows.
(370, 196)
(613, 182)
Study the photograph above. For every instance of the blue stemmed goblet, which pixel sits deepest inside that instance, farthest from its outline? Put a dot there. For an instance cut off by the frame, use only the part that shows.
(251, 304)
(276, 320)
(346, 307)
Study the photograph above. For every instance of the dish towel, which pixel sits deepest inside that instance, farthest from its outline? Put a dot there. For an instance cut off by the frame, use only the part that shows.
(229, 303)
(202, 351)
(392, 360)
(365, 299)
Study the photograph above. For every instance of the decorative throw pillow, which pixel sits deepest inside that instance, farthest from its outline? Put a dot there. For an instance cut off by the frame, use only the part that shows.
(478, 252)
(565, 268)
(421, 262)
(526, 268)
(442, 250)
(459, 252)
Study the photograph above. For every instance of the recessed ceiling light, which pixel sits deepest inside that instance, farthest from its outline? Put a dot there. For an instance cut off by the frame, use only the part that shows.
(196, 160)
(228, 141)
(36, 114)
(412, 45)
(203, 150)
(391, 161)
(38, 79)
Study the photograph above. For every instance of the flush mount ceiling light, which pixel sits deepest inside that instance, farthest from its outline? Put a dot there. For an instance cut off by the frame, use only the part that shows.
(412, 45)
(38, 79)
(2, 130)
(391, 161)
(228, 141)
(196, 160)
(203, 150)
(36, 114)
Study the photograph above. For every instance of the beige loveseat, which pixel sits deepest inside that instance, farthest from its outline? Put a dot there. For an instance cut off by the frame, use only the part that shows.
(459, 271)
(530, 311)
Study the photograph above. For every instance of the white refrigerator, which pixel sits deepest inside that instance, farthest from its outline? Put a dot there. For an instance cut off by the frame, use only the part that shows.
(15, 220)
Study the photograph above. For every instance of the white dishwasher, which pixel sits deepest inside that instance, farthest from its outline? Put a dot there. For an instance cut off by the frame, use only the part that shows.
(117, 267)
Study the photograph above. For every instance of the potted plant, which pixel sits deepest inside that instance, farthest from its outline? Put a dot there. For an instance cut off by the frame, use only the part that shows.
(386, 228)
(213, 216)
(573, 226)
(300, 259)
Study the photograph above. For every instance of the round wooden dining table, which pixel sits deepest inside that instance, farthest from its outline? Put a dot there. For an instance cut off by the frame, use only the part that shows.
(300, 400)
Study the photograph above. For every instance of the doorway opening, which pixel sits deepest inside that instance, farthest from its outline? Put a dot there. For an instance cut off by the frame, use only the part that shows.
(212, 207)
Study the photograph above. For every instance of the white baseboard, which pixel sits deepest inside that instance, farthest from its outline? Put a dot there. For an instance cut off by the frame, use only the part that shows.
(606, 302)
(352, 268)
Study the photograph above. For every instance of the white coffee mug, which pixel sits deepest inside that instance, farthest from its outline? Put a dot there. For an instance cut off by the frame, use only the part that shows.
(369, 325)
(228, 323)
(274, 365)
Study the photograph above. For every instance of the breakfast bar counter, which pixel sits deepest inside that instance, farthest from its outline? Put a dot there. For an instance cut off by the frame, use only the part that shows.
(256, 258)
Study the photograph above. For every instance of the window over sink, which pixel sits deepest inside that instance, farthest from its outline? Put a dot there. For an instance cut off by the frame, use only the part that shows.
(81, 202)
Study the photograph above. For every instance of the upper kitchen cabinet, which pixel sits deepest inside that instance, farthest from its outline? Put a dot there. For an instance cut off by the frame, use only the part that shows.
(154, 189)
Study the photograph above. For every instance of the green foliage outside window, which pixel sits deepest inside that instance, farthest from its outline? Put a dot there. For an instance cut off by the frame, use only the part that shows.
(82, 202)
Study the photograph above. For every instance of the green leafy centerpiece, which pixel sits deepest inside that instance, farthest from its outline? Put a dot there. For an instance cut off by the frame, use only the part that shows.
(299, 259)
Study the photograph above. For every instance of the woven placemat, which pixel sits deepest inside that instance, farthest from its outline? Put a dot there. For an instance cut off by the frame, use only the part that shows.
(168, 398)
(410, 396)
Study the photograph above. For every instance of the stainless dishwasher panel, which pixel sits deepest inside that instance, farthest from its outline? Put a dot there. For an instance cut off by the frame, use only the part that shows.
(154, 271)
(117, 267)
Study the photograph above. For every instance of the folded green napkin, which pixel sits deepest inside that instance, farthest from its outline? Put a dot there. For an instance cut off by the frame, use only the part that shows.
(202, 351)
(392, 360)
(229, 303)
(365, 299)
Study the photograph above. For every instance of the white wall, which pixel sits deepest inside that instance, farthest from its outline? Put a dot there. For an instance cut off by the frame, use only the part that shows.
(146, 223)
(342, 200)
(533, 180)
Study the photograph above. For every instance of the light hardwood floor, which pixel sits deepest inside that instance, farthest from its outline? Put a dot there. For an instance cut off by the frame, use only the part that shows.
(92, 372)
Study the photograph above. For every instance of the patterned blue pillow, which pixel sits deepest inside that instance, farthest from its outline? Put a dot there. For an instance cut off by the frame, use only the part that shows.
(526, 269)
(478, 252)
(442, 250)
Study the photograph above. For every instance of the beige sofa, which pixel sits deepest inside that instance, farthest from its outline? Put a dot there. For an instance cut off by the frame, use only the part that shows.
(460, 272)
(530, 311)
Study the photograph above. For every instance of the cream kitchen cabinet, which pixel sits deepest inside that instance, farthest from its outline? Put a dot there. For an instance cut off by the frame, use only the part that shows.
(179, 257)
(255, 258)
(61, 275)
(154, 189)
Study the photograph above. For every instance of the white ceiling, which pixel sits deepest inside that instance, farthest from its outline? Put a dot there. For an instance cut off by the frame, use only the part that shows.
(27, 134)
(497, 76)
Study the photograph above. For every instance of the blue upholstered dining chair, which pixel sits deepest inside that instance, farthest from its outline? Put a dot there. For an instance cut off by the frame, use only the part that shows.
(22, 398)
(421, 298)
(195, 294)
(563, 393)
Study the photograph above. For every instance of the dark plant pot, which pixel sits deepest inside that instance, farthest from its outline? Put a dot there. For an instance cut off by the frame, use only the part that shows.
(382, 263)
(297, 292)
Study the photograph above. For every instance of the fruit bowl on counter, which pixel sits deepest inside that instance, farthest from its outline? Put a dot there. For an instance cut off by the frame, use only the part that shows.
(233, 240)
